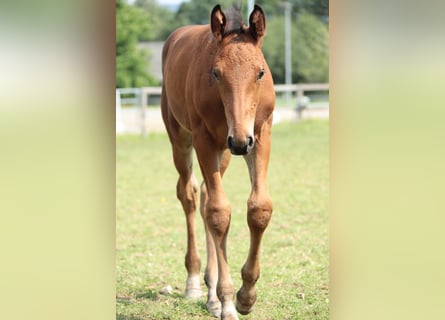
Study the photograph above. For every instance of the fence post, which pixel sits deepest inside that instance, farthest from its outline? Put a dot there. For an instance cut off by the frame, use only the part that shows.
(119, 124)
(143, 112)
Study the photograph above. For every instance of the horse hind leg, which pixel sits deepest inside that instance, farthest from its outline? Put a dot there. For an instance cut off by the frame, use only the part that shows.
(211, 273)
(187, 193)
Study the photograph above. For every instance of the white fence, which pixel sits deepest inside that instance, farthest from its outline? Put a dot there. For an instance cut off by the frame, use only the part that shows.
(140, 97)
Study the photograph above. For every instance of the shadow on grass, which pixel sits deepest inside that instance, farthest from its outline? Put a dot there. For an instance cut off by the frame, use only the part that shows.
(127, 300)
(150, 295)
(176, 299)
(122, 317)
(138, 300)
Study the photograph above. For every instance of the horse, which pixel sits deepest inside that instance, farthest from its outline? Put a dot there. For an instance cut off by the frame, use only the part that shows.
(218, 99)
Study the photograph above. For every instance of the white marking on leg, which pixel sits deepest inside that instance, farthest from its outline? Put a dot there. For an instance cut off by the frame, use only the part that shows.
(193, 287)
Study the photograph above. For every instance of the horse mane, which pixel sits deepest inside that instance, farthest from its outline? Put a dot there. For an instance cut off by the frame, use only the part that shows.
(235, 22)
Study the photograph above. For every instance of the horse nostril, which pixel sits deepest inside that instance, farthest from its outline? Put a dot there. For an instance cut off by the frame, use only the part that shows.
(240, 147)
(251, 142)
(230, 142)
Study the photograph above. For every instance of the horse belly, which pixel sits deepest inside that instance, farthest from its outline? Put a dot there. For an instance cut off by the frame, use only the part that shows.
(181, 115)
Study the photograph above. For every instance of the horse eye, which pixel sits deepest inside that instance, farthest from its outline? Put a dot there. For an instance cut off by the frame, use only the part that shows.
(215, 74)
(261, 74)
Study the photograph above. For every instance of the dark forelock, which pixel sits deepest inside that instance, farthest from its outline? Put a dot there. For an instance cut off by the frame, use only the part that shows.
(234, 18)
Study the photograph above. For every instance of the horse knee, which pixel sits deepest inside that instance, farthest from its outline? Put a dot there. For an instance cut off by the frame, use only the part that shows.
(218, 218)
(259, 212)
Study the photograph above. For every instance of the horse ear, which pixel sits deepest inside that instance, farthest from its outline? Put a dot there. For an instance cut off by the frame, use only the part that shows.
(257, 23)
(218, 22)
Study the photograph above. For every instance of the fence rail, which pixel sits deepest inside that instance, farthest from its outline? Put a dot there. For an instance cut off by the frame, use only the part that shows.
(301, 88)
(140, 97)
(141, 94)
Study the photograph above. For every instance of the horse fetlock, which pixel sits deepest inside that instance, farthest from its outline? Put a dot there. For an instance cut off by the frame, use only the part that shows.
(192, 263)
(193, 287)
(226, 294)
(228, 311)
(250, 275)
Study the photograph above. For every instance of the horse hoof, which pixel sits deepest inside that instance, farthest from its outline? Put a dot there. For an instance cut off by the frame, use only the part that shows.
(245, 305)
(229, 314)
(193, 293)
(214, 307)
(244, 310)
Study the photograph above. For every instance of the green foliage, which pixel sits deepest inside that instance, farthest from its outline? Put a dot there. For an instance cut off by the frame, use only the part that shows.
(131, 62)
(273, 8)
(147, 21)
(273, 48)
(310, 49)
(198, 11)
(161, 20)
(151, 228)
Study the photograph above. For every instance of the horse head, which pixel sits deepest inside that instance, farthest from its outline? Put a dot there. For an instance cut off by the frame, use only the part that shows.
(239, 68)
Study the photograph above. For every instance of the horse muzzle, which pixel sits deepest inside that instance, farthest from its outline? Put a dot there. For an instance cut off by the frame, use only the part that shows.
(240, 146)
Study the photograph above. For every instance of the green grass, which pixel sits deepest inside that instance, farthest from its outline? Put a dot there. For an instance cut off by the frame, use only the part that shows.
(151, 235)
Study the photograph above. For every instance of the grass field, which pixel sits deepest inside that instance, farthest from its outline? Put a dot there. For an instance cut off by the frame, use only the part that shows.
(151, 235)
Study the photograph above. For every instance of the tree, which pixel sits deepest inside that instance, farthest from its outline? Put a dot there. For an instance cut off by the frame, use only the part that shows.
(310, 49)
(198, 11)
(319, 8)
(131, 62)
(161, 20)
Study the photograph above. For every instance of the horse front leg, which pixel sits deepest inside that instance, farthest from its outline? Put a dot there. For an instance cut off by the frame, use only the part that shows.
(217, 214)
(211, 273)
(259, 212)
